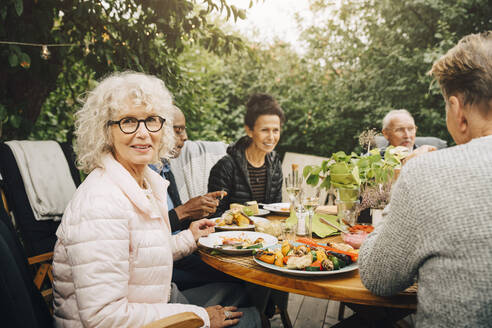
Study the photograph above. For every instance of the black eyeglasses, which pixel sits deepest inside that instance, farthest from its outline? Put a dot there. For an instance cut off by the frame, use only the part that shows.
(179, 129)
(129, 125)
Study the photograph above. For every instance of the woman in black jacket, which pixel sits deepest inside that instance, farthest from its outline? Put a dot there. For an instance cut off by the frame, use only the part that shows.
(252, 170)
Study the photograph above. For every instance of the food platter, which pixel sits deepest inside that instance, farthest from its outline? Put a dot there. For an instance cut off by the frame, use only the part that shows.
(215, 240)
(301, 273)
(279, 208)
(234, 227)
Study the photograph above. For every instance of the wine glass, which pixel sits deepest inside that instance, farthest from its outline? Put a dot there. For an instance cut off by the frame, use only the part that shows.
(310, 203)
(293, 184)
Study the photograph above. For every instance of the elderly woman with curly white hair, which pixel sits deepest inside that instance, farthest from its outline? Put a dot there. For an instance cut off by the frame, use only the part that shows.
(113, 259)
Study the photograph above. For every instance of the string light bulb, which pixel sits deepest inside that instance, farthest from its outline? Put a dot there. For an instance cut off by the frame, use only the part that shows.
(45, 52)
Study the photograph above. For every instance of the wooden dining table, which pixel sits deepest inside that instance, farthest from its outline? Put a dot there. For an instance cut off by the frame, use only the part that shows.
(344, 287)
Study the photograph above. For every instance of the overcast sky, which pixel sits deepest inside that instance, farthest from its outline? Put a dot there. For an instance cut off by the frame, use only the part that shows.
(271, 19)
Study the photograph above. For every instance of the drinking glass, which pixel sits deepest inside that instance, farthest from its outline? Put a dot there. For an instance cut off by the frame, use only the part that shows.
(289, 231)
(347, 201)
(310, 203)
(293, 184)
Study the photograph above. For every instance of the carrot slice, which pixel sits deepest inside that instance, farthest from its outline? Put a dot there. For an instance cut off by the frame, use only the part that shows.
(353, 256)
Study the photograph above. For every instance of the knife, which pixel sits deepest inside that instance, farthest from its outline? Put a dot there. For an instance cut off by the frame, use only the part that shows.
(325, 221)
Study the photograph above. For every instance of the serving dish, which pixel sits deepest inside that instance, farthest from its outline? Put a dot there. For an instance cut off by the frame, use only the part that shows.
(302, 273)
(279, 208)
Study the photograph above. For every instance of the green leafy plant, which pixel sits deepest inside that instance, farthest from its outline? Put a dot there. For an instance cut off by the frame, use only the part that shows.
(377, 173)
(339, 171)
(372, 174)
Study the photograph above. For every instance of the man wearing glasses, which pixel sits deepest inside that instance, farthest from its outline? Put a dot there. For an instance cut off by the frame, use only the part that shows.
(180, 215)
(399, 128)
(190, 271)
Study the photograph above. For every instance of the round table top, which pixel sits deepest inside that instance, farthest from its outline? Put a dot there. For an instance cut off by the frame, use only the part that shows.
(344, 287)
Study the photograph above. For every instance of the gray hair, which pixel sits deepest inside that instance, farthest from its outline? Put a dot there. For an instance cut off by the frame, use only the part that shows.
(109, 97)
(387, 119)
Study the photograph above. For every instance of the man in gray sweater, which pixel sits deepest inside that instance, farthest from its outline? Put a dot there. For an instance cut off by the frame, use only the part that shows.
(438, 226)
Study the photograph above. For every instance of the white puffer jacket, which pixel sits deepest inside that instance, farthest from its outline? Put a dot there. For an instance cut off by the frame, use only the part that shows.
(113, 260)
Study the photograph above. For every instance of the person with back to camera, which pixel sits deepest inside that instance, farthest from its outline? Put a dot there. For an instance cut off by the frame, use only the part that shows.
(114, 255)
(437, 227)
(252, 170)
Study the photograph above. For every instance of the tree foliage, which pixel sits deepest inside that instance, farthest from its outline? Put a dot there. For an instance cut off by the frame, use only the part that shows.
(368, 57)
(107, 36)
(362, 59)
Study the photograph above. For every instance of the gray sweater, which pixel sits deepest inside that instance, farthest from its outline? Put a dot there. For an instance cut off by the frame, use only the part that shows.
(438, 230)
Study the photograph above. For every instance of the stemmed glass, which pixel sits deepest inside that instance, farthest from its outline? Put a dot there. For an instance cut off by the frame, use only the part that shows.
(310, 203)
(293, 184)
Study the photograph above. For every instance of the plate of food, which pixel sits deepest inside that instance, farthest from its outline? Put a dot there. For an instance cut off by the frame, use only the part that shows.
(237, 242)
(237, 222)
(251, 208)
(262, 212)
(299, 259)
(279, 208)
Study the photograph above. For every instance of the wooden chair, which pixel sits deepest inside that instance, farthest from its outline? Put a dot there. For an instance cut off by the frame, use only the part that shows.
(38, 237)
(21, 303)
(40, 264)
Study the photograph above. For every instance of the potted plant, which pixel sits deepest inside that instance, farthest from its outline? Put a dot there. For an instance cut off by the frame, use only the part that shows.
(340, 172)
(368, 176)
(377, 176)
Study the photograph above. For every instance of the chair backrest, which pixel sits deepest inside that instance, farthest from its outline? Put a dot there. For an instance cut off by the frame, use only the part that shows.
(21, 303)
(381, 142)
(192, 168)
(302, 160)
(38, 236)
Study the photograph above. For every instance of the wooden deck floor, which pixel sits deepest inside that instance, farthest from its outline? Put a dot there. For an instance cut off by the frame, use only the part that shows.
(310, 312)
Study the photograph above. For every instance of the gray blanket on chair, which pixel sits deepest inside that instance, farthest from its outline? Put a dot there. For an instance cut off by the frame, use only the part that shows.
(46, 176)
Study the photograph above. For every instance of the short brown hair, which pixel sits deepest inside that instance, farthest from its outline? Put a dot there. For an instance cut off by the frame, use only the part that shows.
(261, 104)
(466, 69)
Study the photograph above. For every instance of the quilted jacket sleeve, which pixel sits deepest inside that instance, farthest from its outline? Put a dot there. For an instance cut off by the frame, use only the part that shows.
(221, 178)
(97, 251)
(183, 244)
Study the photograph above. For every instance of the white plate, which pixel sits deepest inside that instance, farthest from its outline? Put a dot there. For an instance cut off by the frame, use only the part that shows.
(235, 227)
(262, 212)
(283, 208)
(214, 239)
(301, 273)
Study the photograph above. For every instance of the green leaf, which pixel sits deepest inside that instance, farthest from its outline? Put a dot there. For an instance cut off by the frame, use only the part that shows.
(19, 7)
(13, 60)
(307, 170)
(316, 170)
(324, 166)
(312, 180)
(15, 121)
(326, 184)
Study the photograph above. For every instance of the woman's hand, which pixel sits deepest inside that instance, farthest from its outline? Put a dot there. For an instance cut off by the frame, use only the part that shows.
(202, 228)
(223, 316)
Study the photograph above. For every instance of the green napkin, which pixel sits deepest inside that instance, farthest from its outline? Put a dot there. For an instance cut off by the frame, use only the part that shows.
(321, 229)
